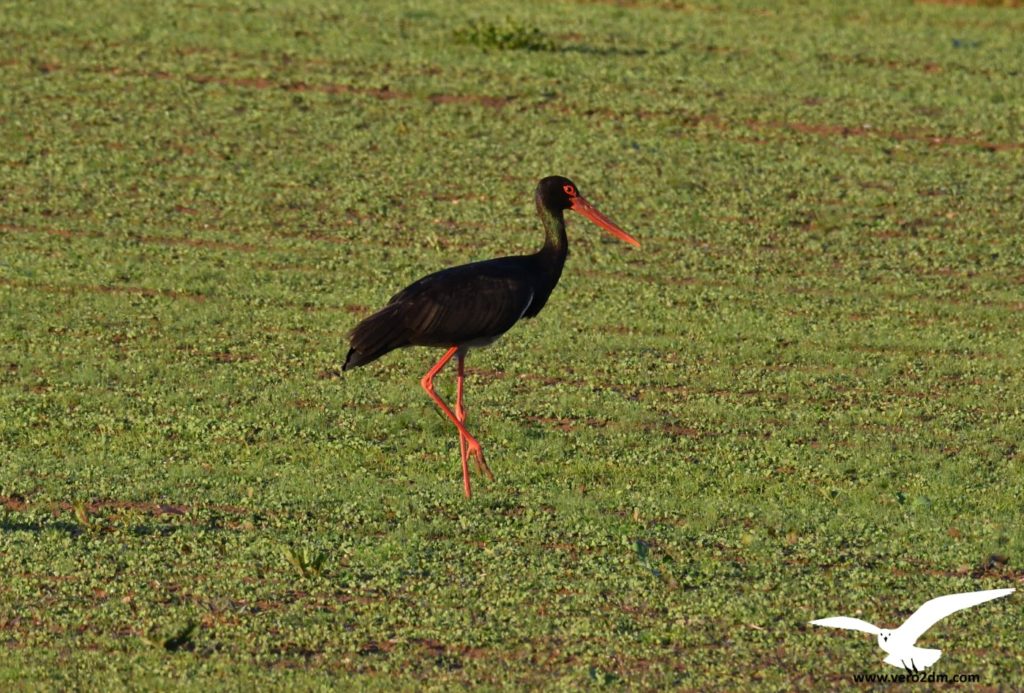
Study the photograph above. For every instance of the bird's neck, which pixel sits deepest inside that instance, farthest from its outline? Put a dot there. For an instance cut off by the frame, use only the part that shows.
(556, 245)
(545, 266)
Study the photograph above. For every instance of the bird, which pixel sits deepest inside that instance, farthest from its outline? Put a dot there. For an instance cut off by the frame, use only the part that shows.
(899, 644)
(472, 305)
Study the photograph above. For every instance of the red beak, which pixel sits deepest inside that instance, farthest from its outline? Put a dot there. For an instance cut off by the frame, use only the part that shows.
(583, 207)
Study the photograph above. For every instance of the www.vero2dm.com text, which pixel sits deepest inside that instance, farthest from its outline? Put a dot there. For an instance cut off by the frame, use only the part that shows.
(916, 677)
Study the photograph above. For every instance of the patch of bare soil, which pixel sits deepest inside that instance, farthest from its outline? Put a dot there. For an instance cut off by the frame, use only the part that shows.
(159, 240)
(102, 289)
(230, 357)
(564, 423)
(199, 243)
(837, 130)
(148, 508)
(385, 93)
(18, 503)
(14, 502)
(63, 233)
(974, 3)
(993, 566)
(495, 102)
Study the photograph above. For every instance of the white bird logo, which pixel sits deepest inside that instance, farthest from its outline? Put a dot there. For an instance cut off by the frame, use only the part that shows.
(899, 643)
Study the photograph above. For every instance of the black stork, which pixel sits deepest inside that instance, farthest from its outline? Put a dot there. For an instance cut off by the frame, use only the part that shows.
(472, 305)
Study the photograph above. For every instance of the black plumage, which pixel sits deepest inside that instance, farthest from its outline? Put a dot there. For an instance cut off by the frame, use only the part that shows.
(467, 305)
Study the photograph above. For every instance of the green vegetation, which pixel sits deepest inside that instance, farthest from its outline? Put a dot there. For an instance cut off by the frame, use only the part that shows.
(802, 397)
(508, 35)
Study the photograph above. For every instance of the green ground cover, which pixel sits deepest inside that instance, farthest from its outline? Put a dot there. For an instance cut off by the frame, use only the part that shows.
(801, 398)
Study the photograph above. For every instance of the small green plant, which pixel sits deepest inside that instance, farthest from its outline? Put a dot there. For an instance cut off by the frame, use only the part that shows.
(82, 516)
(507, 35)
(307, 565)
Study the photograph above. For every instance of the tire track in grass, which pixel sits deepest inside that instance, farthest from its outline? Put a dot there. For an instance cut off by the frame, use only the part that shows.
(313, 238)
(19, 503)
(686, 119)
(384, 93)
(105, 289)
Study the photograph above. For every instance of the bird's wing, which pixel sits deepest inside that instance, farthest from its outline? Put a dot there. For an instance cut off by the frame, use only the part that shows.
(848, 623)
(463, 303)
(934, 610)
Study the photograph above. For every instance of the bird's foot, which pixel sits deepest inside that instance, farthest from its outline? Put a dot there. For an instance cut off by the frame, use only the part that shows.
(465, 448)
(468, 446)
(473, 447)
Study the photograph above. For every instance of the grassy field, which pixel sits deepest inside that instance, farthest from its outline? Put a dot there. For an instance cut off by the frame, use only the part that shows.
(801, 398)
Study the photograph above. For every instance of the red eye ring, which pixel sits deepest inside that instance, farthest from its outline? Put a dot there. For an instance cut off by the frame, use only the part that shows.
(569, 190)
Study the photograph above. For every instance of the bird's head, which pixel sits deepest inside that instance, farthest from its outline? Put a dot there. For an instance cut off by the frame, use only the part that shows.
(883, 637)
(557, 194)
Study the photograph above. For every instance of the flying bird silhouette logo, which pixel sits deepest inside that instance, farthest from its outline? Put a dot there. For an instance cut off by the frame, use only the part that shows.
(899, 644)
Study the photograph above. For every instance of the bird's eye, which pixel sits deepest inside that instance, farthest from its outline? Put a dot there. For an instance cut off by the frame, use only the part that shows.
(569, 190)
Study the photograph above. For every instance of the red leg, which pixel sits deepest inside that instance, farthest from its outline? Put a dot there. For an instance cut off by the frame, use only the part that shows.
(427, 382)
(460, 413)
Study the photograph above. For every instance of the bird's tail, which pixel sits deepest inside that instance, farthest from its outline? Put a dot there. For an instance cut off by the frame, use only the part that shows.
(914, 658)
(375, 336)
